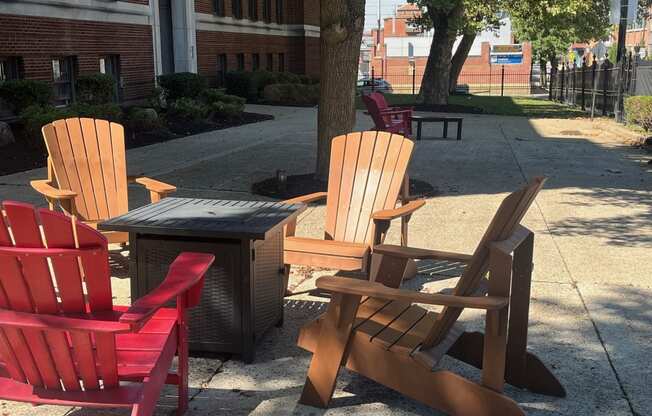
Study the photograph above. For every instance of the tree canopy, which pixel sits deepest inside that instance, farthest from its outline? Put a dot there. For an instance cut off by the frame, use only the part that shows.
(552, 25)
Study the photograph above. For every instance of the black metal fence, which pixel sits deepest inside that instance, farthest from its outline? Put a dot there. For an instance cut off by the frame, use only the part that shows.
(498, 80)
(601, 87)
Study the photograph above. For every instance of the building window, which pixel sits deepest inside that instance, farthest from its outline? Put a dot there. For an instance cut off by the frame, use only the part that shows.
(110, 65)
(253, 9)
(270, 62)
(255, 62)
(267, 10)
(63, 77)
(221, 69)
(241, 62)
(220, 8)
(279, 11)
(236, 8)
(281, 62)
(10, 67)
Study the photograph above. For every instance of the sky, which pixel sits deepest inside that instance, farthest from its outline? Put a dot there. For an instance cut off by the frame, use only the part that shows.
(386, 9)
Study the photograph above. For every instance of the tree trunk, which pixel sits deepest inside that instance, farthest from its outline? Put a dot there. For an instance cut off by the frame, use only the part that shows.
(459, 58)
(436, 78)
(342, 22)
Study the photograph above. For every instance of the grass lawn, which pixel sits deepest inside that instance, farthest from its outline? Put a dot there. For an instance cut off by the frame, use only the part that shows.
(504, 106)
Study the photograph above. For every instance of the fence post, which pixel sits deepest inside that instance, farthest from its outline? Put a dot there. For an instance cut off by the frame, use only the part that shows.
(414, 78)
(550, 80)
(373, 77)
(563, 79)
(502, 80)
(605, 85)
(574, 87)
(583, 82)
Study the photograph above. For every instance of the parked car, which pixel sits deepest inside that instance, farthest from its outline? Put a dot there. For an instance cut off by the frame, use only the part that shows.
(367, 86)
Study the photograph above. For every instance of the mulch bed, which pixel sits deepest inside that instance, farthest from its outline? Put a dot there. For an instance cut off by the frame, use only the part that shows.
(27, 153)
(297, 185)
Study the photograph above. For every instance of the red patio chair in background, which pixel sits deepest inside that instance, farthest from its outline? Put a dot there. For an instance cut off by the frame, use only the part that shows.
(63, 342)
(392, 120)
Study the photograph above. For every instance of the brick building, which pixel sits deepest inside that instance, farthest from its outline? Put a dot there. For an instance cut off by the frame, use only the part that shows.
(136, 40)
(400, 53)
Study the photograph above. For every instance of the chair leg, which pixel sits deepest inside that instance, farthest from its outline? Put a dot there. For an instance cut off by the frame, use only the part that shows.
(286, 279)
(182, 353)
(331, 350)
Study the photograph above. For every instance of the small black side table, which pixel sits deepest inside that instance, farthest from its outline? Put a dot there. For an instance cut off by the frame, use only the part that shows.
(433, 119)
(243, 290)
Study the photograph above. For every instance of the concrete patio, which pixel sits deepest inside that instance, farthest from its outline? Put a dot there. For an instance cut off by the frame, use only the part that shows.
(591, 311)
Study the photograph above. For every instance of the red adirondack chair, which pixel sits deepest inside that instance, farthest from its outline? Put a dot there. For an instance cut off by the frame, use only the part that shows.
(63, 342)
(393, 120)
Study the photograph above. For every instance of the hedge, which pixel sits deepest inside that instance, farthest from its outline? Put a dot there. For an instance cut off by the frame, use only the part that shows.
(182, 85)
(22, 93)
(95, 89)
(638, 110)
(251, 85)
(292, 94)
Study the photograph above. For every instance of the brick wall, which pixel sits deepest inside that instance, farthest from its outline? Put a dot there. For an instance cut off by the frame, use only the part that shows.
(38, 40)
(211, 44)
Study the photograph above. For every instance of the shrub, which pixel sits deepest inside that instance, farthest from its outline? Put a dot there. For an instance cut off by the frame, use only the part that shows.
(95, 89)
(22, 93)
(142, 119)
(638, 110)
(292, 94)
(36, 116)
(182, 85)
(251, 85)
(221, 105)
(108, 111)
(187, 109)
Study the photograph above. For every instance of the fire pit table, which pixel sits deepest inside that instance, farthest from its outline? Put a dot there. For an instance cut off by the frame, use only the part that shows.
(243, 290)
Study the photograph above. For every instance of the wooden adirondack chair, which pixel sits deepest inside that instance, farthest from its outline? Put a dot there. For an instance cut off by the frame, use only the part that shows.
(63, 342)
(87, 172)
(367, 174)
(383, 105)
(377, 330)
(392, 120)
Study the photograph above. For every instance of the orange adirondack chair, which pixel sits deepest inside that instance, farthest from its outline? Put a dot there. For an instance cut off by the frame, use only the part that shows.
(377, 330)
(87, 172)
(63, 342)
(367, 174)
(390, 119)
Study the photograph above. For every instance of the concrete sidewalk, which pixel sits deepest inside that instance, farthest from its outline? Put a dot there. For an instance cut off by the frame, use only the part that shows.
(591, 315)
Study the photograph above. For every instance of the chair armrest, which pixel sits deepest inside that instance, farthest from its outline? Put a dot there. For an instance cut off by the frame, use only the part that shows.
(358, 287)
(390, 111)
(420, 253)
(402, 211)
(184, 276)
(87, 323)
(153, 185)
(44, 187)
(306, 199)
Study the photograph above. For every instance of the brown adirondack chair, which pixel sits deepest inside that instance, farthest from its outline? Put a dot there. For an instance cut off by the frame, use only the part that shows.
(367, 174)
(377, 330)
(87, 172)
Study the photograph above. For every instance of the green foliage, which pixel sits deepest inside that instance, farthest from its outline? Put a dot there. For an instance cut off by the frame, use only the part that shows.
(142, 119)
(221, 105)
(95, 89)
(106, 111)
(187, 109)
(459, 16)
(638, 110)
(36, 116)
(251, 85)
(551, 26)
(22, 93)
(612, 52)
(182, 85)
(292, 94)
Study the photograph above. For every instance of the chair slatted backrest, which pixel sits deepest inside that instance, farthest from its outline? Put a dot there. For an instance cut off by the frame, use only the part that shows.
(375, 111)
(504, 223)
(380, 100)
(88, 157)
(367, 171)
(54, 359)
